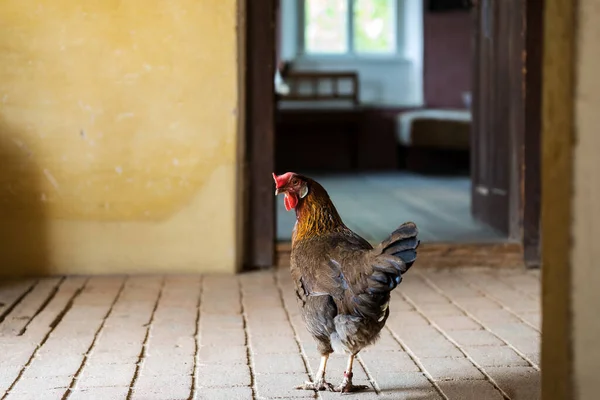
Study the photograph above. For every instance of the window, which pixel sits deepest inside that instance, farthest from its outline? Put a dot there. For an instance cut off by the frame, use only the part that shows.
(357, 27)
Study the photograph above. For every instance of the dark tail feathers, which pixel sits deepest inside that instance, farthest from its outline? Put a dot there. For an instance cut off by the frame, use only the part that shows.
(394, 256)
(403, 243)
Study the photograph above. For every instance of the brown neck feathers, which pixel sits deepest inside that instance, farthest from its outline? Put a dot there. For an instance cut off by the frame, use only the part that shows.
(316, 214)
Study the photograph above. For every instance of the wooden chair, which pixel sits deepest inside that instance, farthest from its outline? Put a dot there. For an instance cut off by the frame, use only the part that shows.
(309, 86)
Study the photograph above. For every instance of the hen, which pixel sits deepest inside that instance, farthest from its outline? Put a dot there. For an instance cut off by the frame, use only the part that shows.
(343, 284)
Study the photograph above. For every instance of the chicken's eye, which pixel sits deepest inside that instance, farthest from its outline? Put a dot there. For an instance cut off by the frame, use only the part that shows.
(294, 181)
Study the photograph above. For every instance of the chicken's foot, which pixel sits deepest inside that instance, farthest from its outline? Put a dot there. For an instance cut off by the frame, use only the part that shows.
(319, 383)
(346, 386)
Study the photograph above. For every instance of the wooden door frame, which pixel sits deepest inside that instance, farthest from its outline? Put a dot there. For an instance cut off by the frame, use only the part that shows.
(526, 115)
(260, 212)
(524, 30)
(496, 103)
(259, 218)
(559, 137)
(532, 144)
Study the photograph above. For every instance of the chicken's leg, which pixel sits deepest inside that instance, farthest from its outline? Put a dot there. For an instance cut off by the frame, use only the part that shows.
(319, 383)
(346, 386)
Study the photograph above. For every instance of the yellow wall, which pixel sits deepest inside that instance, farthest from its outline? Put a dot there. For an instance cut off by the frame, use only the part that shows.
(118, 136)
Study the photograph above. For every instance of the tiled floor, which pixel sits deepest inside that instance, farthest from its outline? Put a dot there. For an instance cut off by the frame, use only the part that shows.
(374, 204)
(464, 334)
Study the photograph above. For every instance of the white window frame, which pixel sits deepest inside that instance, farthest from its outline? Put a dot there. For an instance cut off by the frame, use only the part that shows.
(399, 52)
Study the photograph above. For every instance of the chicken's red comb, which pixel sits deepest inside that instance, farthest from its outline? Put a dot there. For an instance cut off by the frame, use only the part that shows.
(282, 180)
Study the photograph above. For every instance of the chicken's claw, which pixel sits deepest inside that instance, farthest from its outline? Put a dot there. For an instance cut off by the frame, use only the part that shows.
(350, 388)
(347, 387)
(316, 386)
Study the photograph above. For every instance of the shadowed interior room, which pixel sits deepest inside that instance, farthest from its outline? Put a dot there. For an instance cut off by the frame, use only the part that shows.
(388, 103)
(375, 99)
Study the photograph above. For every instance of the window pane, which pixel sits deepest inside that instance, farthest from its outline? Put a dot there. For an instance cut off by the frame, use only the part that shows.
(374, 26)
(326, 26)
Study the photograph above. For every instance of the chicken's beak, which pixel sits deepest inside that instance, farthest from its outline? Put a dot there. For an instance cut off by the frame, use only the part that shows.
(276, 192)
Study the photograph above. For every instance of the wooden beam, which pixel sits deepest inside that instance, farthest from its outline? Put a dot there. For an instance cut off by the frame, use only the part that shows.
(531, 146)
(260, 135)
(557, 180)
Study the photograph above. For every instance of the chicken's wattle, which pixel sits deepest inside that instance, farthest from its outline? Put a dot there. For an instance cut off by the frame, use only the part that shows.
(290, 201)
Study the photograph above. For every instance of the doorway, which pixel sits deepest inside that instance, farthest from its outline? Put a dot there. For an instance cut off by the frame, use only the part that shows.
(500, 206)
